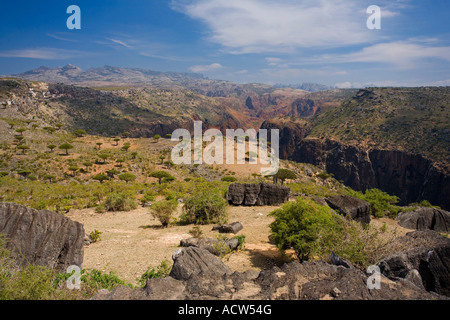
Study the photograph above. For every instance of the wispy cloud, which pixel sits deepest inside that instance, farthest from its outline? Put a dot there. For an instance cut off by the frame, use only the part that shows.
(206, 68)
(42, 53)
(120, 42)
(255, 26)
(61, 36)
(401, 54)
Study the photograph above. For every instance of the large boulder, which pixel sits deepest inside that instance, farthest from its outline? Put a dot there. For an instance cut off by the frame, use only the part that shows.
(425, 219)
(192, 260)
(259, 194)
(233, 227)
(42, 237)
(351, 207)
(214, 246)
(426, 261)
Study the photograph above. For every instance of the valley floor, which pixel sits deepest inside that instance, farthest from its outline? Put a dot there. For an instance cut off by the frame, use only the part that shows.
(132, 242)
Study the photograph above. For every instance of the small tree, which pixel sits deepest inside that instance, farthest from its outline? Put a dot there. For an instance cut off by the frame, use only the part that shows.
(304, 226)
(284, 174)
(205, 208)
(120, 162)
(100, 177)
(127, 177)
(134, 155)
(116, 140)
(66, 146)
(24, 173)
(103, 156)
(79, 133)
(125, 135)
(20, 131)
(12, 124)
(23, 147)
(160, 175)
(156, 137)
(49, 177)
(99, 144)
(111, 173)
(74, 169)
(51, 147)
(126, 146)
(163, 211)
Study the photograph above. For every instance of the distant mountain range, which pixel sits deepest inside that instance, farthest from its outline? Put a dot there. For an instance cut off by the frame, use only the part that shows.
(113, 76)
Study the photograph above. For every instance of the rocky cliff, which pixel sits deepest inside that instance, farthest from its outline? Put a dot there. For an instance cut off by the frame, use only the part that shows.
(409, 176)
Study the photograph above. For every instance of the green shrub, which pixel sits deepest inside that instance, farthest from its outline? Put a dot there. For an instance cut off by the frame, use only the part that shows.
(119, 202)
(302, 225)
(96, 280)
(241, 241)
(196, 232)
(162, 271)
(95, 235)
(381, 203)
(163, 211)
(205, 208)
(228, 179)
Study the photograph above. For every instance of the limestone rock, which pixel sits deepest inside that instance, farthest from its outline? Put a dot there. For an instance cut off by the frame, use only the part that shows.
(42, 237)
(261, 194)
(425, 218)
(191, 261)
(234, 227)
(354, 208)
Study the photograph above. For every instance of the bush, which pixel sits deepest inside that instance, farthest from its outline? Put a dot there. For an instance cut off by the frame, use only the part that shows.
(95, 235)
(162, 271)
(119, 202)
(228, 179)
(302, 225)
(381, 203)
(163, 211)
(205, 208)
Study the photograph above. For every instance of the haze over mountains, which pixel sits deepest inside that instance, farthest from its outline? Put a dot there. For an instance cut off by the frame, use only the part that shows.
(115, 76)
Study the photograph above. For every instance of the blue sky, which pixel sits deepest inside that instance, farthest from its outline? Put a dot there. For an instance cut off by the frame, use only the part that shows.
(290, 41)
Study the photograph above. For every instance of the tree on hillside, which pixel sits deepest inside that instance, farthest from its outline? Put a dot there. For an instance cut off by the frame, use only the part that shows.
(79, 133)
(156, 137)
(127, 177)
(49, 177)
(116, 140)
(103, 156)
(74, 169)
(99, 144)
(20, 131)
(160, 175)
(284, 174)
(51, 147)
(23, 147)
(66, 146)
(100, 177)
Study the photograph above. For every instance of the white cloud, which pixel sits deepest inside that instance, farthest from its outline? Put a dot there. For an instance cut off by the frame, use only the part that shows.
(249, 26)
(42, 53)
(122, 43)
(403, 54)
(206, 68)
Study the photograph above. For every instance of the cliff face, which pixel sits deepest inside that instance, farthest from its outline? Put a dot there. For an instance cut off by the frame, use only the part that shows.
(291, 134)
(411, 177)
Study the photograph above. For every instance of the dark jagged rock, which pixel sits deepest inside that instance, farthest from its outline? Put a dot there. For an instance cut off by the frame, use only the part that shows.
(427, 261)
(425, 219)
(234, 227)
(42, 237)
(314, 280)
(191, 260)
(354, 208)
(261, 194)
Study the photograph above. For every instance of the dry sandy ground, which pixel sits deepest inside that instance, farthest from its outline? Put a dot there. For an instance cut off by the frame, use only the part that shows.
(131, 242)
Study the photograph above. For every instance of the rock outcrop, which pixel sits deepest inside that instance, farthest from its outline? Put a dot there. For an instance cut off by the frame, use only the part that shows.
(233, 227)
(258, 194)
(42, 237)
(214, 246)
(199, 275)
(351, 207)
(411, 177)
(426, 264)
(425, 219)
